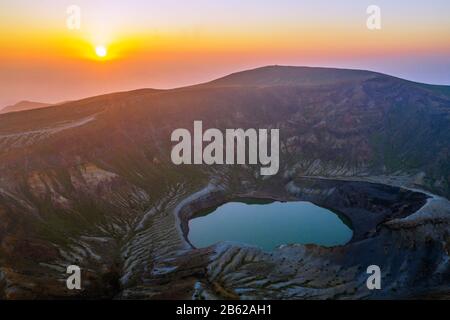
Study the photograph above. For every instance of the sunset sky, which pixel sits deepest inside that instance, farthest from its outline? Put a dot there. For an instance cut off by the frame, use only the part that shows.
(164, 44)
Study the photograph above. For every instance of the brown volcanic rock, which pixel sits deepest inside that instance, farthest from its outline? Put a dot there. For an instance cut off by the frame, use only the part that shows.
(79, 184)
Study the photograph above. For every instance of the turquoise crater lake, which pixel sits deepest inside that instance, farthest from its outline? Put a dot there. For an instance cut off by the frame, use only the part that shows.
(268, 224)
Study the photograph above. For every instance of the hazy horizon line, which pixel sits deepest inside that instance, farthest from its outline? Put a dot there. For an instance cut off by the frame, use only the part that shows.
(53, 103)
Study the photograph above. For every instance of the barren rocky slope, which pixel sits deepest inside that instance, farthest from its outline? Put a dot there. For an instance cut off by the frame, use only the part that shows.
(91, 183)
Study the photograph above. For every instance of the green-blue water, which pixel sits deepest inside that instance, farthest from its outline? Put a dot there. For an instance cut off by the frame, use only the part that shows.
(269, 225)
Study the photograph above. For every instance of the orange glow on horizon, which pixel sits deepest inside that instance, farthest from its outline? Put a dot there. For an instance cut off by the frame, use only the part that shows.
(315, 42)
(40, 57)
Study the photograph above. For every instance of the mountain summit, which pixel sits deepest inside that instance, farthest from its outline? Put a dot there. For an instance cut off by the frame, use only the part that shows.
(294, 76)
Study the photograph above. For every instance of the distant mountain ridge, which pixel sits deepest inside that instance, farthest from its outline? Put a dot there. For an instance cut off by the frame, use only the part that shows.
(24, 105)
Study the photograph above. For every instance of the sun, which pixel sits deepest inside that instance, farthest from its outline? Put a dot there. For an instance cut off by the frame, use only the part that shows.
(101, 51)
